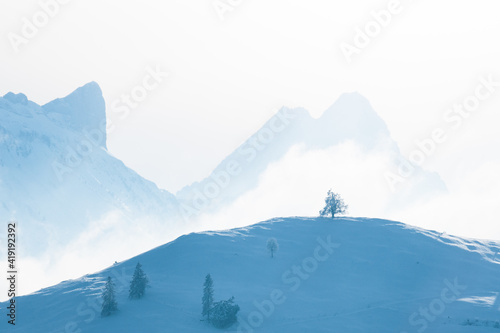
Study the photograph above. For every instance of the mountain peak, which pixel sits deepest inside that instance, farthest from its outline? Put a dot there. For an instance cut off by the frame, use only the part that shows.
(359, 120)
(16, 98)
(351, 105)
(83, 109)
(91, 89)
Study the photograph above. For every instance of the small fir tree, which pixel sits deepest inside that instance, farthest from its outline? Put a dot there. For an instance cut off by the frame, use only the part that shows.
(138, 284)
(208, 297)
(109, 304)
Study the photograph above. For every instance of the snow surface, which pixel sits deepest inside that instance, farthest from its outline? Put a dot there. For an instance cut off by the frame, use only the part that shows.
(377, 275)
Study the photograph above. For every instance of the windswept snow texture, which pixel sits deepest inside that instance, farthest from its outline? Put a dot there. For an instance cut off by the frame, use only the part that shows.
(343, 275)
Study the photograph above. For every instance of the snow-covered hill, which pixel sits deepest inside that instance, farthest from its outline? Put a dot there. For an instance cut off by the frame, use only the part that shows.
(343, 275)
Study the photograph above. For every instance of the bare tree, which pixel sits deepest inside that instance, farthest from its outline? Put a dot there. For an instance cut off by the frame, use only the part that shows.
(272, 246)
(334, 204)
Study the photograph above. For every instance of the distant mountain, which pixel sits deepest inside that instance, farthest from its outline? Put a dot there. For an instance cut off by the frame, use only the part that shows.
(76, 203)
(345, 275)
(350, 119)
(56, 174)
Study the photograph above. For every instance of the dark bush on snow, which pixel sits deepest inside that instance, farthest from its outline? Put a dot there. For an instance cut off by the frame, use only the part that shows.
(223, 313)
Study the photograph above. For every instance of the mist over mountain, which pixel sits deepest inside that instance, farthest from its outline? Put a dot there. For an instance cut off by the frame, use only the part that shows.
(76, 203)
(350, 120)
(72, 200)
(56, 173)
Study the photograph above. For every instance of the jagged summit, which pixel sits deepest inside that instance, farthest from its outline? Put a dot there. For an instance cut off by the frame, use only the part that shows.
(56, 175)
(352, 106)
(16, 98)
(352, 116)
(82, 109)
(13, 105)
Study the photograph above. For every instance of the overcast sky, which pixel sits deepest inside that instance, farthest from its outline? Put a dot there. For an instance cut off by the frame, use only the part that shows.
(231, 66)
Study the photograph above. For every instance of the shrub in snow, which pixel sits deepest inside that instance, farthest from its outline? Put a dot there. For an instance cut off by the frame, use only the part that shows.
(208, 297)
(109, 304)
(334, 204)
(223, 313)
(138, 284)
(272, 246)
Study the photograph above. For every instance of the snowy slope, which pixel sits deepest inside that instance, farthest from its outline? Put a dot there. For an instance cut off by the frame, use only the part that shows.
(351, 119)
(356, 275)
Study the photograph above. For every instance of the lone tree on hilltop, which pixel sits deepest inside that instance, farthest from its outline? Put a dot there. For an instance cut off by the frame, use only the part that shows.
(109, 304)
(334, 205)
(208, 297)
(138, 284)
(272, 246)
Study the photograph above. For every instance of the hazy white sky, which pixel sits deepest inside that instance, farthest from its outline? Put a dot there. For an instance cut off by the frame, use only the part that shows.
(227, 77)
